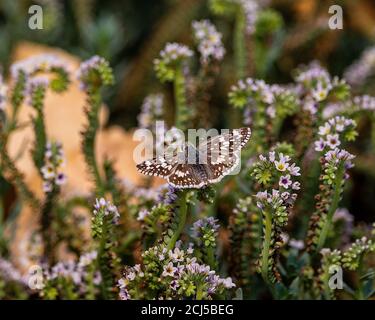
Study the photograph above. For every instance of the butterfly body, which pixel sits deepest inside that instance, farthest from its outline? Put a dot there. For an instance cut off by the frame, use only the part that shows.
(198, 167)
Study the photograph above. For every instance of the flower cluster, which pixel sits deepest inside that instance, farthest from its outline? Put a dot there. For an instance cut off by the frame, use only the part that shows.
(94, 72)
(171, 57)
(335, 164)
(9, 272)
(151, 111)
(330, 258)
(73, 275)
(209, 41)
(250, 8)
(334, 160)
(105, 208)
(73, 269)
(352, 256)
(351, 107)
(173, 274)
(313, 74)
(277, 100)
(245, 90)
(331, 131)
(204, 232)
(365, 102)
(362, 69)
(39, 63)
(51, 171)
(105, 217)
(171, 195)
(35, 89)
(36, 82)
(276, 171)
(319, 85)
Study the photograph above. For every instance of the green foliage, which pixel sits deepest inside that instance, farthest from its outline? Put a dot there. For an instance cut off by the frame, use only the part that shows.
(94, 74)
(184, 242)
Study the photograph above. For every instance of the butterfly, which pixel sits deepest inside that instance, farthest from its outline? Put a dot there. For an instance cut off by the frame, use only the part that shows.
(198, 167)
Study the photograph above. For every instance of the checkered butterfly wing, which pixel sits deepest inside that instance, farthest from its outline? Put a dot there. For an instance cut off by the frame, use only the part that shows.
(176, 169)
(157, 167)
(222, 153)
(218, 157)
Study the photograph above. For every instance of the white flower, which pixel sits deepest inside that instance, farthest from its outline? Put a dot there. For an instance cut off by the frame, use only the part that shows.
(282, 164)
(294, 170)
(285, 195)
(333, 141)
(320, 145)
(48, 172)
(271, 112)
(262, 195)
(297, 244)
(177, 255)
(169, 270)
(130, 276)
(296, 185)
(227, 283)
(121, 283)
(285, 181)
(272, 156)
(310, 105)
(320, 93)
(142, 214)
(60, 179)
(324, 130)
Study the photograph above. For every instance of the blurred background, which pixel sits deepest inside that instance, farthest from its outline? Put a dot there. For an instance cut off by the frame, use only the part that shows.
(130, 34)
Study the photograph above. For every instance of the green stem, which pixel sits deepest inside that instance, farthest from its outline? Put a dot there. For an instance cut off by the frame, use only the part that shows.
(326, 288)
(182, 112)
(210, 256)
(90, 289)
(89, 138)
(104, 261)
(16, 176)
(240, 44)
(260, 141)
(40, 140)
(240, 59)
(16, 100)
(181, 217)
(332, 209)
(199, 294)
(46, 221)
(359, 292)
(266, 244)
